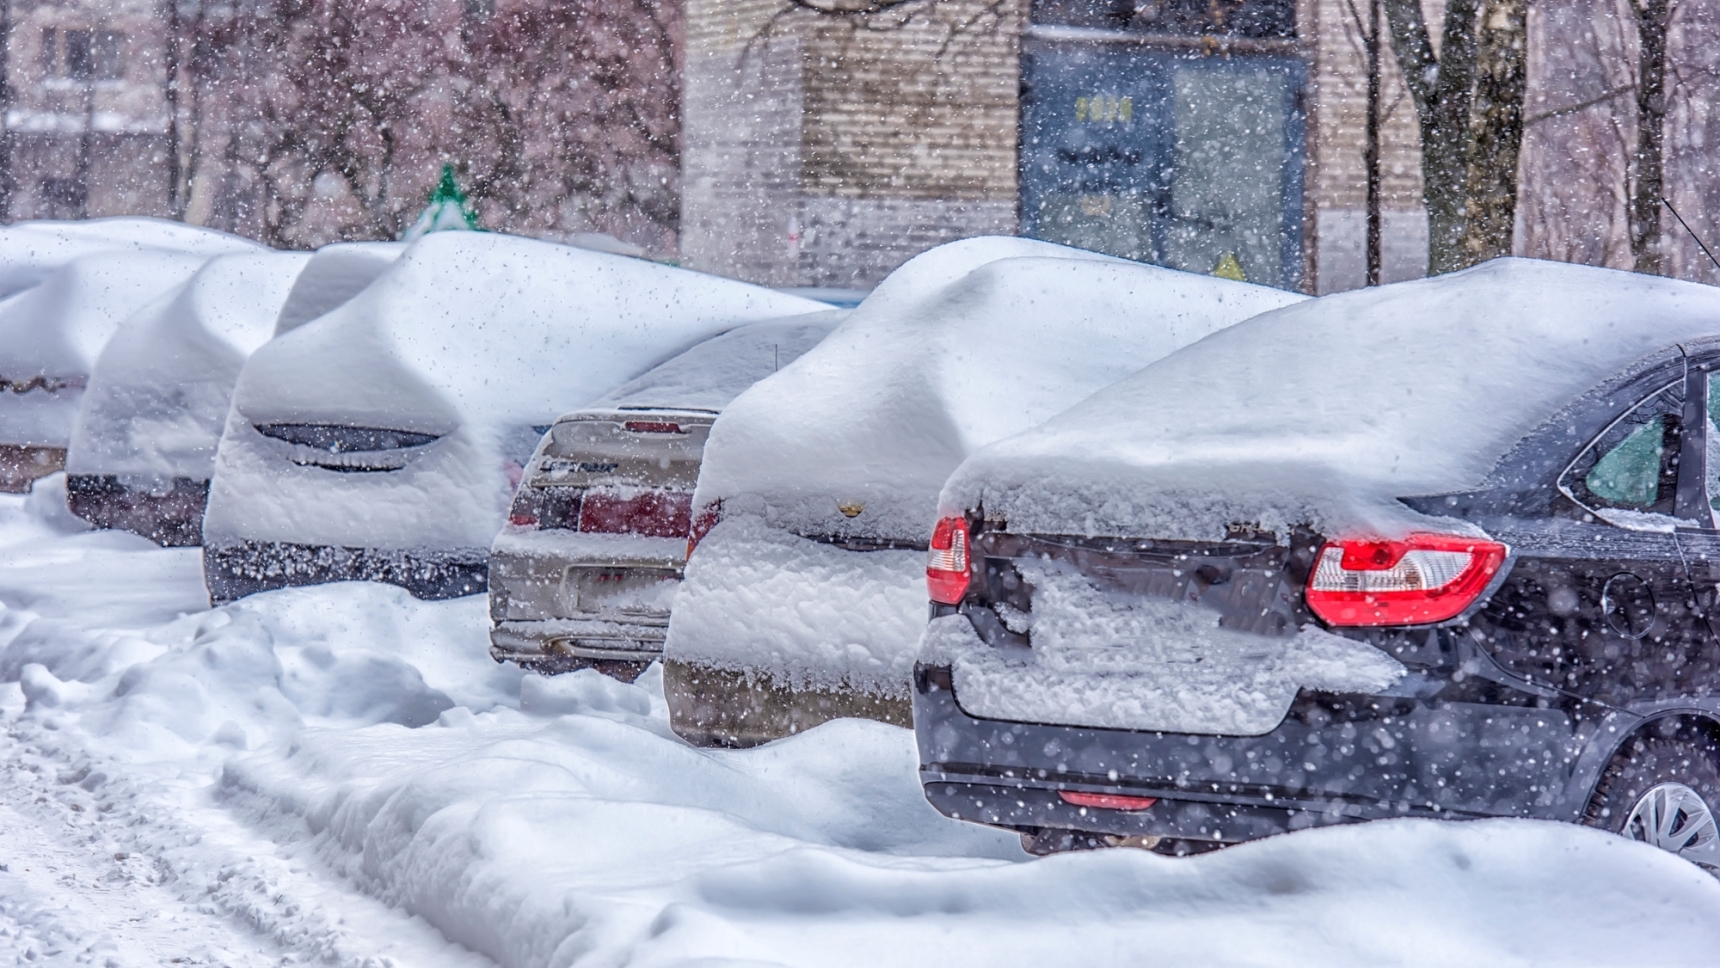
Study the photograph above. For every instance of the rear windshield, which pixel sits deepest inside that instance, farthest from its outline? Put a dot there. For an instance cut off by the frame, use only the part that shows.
(651, 451)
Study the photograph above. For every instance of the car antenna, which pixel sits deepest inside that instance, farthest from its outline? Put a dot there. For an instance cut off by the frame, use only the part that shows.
(1687, 228)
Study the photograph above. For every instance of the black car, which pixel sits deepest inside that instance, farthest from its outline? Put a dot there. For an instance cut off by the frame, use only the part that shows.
(1507, 488)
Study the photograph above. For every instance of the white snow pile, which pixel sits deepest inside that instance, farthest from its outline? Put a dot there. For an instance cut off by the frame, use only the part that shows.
(341, 774)
(963, 345)
(476, 339)
(52, 332)
(159, 393)
(1101, 661)
(30, 251)
(813, 615)
(1325, 413)
(334, 274)
(713, 373)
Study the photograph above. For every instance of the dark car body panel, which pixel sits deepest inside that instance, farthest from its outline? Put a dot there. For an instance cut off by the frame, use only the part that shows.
(1590, 631)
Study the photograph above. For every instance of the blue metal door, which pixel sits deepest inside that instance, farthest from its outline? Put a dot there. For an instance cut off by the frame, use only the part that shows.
(1184, 160)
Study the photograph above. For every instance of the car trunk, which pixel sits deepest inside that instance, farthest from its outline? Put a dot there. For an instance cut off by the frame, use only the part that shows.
(597, 533)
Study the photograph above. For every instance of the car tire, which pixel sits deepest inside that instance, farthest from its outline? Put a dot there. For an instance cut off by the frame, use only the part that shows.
(1663, 790)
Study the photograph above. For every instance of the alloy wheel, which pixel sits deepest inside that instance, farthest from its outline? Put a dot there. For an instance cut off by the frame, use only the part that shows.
(1675, 818)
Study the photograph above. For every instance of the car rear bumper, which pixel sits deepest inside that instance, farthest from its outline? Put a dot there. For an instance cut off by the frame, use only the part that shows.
(233, 571)
(170, 516)
(1336, 759)
(527, 641)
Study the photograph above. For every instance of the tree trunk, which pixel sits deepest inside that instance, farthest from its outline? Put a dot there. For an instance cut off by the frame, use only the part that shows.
(1441, 89)
(1652, 20)
(1496, 129)
(1371, 154)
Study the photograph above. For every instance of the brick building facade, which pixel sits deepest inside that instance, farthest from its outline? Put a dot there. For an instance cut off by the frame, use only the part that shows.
(825, 144)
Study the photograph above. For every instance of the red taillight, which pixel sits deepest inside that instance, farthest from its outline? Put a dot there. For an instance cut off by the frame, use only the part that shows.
(1106, 801)
(656, 514)
(1422, 579)
(652, 427)
(947, 563)
(519, 520)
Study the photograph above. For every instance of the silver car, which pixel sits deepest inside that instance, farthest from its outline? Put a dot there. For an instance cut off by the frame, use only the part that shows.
(585, 572)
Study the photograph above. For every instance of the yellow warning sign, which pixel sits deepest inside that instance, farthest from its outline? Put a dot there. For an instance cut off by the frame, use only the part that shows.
(1230, 267)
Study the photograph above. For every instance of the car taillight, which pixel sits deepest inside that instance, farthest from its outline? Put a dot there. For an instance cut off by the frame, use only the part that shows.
(524, 513)
(1422, 579)
(703, 522)
(652, 427)
(656, 514)
(1106, 801)
(947, 562)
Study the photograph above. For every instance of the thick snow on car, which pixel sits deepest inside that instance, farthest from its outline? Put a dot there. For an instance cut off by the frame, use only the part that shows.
(806, 601)
(335, 274)
(382, 440)
(52, 332)
(585, 571)
(143, 444)
(31, 251)
(1442, 549)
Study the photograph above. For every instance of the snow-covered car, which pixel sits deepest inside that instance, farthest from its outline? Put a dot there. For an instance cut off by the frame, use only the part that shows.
(334, 274)
(1440, 549)
(143, 443)
(52, 331)
(584, 573)
(803, 599)
(382, 441)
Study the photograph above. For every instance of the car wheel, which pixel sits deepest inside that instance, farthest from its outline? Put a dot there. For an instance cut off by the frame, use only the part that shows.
(1663, 791)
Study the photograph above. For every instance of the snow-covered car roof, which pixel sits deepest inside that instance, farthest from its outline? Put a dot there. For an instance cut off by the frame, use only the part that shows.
(967, 343)
(713, 373)
(159, 392)
(1326, 412)
(335, 274)
(29, 251)
(478, 340)
(492, 329)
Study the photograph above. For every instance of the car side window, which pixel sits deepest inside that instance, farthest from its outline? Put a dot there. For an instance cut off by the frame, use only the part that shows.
(1633, 465)
(1712, 439)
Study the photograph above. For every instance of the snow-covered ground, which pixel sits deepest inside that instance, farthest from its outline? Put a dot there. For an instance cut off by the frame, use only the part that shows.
(339, 775)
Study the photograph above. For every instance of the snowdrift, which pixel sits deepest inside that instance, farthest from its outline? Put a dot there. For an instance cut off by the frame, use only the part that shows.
(1326, 412)
(849, 447)
(143, 444)
(382, 439)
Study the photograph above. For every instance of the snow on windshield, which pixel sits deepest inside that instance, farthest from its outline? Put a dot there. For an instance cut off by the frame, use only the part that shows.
(466, 344)
(713, 373)
(334, 274)
(159, 392)
(1326, 412)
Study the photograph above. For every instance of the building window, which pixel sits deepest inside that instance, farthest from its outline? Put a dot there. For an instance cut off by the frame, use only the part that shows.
(80, 54)
(50, 52)
(109, 66)
(1199, 18)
